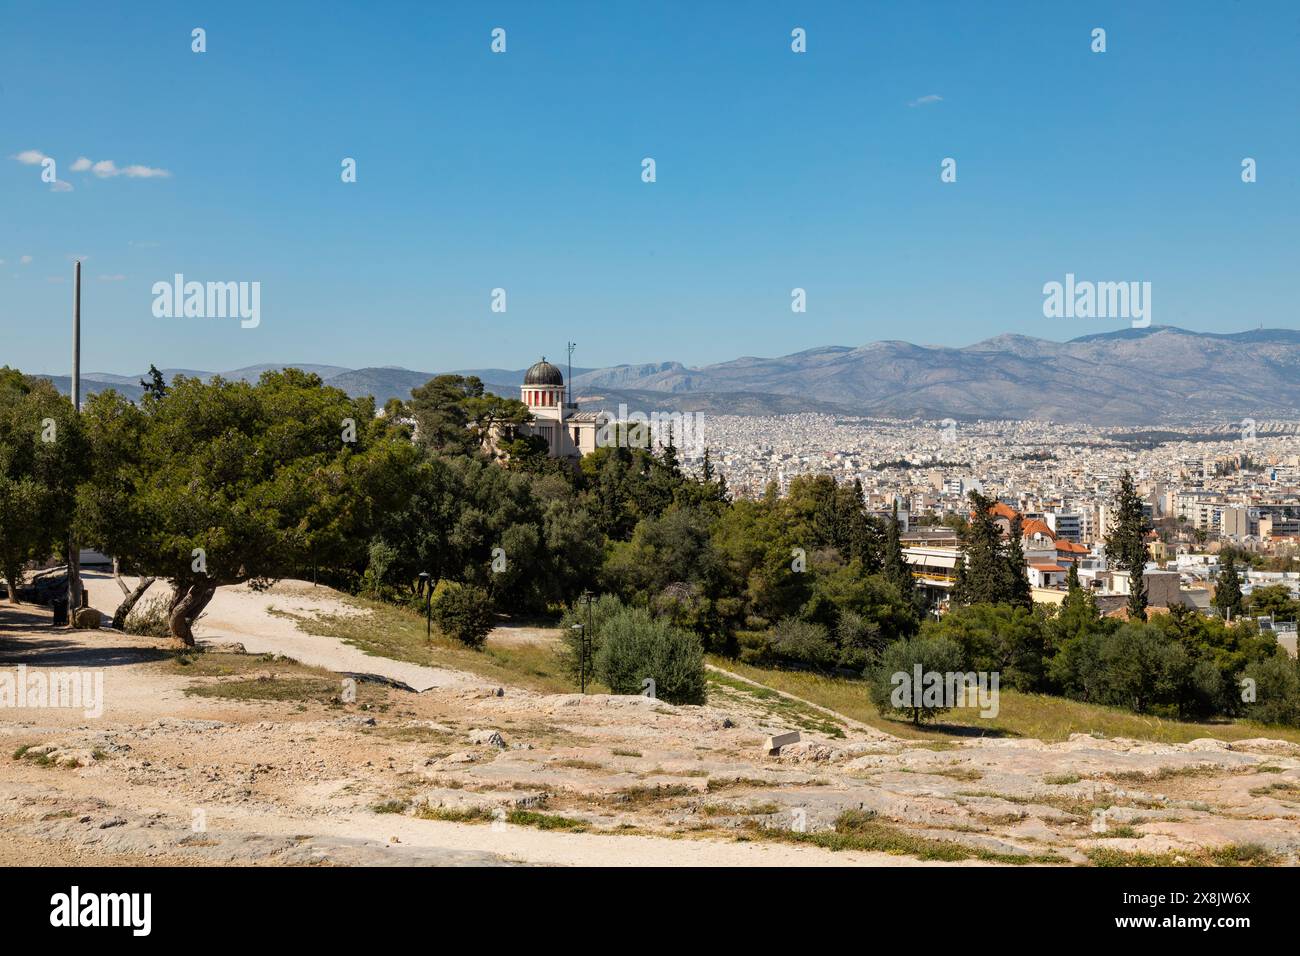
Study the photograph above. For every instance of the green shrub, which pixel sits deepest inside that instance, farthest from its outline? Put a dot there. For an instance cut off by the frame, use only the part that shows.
(463, 612)
(570, 652)
(755, 647)
(1277, 690)
(382, 563)
(149, 618)
(803, 642)
(635, 646)
(996, 637)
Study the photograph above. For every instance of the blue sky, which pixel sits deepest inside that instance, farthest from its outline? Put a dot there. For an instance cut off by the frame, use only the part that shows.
(523, 171)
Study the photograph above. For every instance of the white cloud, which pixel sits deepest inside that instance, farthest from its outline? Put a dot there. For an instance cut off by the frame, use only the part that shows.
(26, 260)
(61, 186)
(926, 100)
(107, 169)
(104, 169)
(146, 172)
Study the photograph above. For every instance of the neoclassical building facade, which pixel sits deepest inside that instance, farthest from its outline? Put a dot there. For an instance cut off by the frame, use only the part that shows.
(569, 433)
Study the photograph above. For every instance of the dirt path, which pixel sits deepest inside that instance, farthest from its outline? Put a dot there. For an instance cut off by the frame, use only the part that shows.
(248, 617)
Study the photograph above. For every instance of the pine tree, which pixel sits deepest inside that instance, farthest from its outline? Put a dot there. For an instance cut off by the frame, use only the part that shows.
(828, 529)
(1078, 614)
(156, 384)
(1227, 595)
(1125, 545)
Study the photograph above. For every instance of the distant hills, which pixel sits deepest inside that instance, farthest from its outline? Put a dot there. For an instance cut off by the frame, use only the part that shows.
(1160, 374)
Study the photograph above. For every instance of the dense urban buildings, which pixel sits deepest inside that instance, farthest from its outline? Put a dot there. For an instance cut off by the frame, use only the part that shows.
(1203, 488)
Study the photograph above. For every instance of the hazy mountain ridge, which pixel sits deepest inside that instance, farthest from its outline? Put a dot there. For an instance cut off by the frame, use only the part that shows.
(1126, 377)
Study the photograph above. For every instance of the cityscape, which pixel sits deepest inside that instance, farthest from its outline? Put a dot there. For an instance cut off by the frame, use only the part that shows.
(1202, 487)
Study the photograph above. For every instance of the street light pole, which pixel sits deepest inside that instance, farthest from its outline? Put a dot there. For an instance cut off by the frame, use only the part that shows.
(582, 655)
(586, 630)
(74, 553)
(428, 604)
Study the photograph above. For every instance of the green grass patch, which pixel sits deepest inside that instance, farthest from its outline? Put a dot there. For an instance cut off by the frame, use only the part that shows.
(641, 796)
(775, 705)
(522, 818)
(397, 633)
(1164, 773)
(196, 662)
(859, 830)
(1038, 716)
(1122, 832)
(717, 784)
(578, 764)
(1276, 788)
(545, 821)
(1235, 854)
(1061, 779)
(454, 814)
(302, 689)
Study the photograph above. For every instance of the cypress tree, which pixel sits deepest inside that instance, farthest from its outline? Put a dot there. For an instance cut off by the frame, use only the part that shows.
(895, 566)
(982, 574)
(1125, 548)
(1227, 595)
(865, 540)
(1015, 587)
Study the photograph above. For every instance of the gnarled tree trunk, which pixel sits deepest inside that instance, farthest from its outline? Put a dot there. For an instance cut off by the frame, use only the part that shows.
(13, 575)
(124, 609)
(187, 604)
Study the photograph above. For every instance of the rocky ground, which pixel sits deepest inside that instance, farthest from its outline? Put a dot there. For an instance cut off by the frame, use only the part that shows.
(224, 757)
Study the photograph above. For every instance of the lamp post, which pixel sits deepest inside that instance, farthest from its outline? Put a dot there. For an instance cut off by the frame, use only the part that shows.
(428, 604)
(74, 549)
(582, 655)
(586, 596)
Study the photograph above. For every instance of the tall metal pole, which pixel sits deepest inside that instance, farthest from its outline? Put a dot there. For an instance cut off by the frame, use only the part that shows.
(76, 336)
(587, 595)
(568, 383)
(74, 553)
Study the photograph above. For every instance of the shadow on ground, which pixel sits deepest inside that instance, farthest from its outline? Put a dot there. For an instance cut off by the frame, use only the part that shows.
(28, 637)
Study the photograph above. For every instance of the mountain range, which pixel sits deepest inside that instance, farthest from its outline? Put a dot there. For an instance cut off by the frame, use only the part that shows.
(1160, 374)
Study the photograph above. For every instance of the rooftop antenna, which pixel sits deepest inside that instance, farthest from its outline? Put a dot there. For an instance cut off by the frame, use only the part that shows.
(568, 386)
